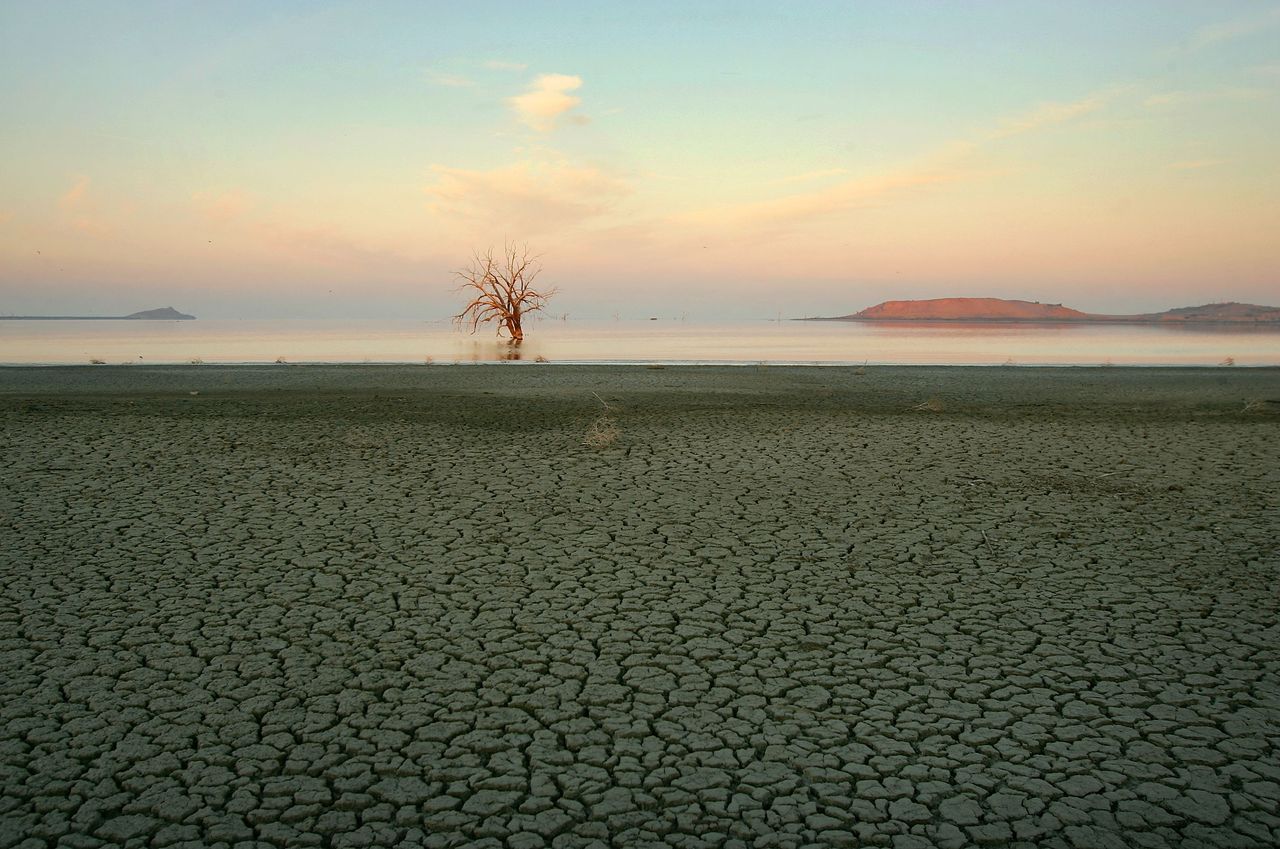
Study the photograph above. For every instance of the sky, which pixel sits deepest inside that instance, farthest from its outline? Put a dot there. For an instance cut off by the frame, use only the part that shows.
(738, 159)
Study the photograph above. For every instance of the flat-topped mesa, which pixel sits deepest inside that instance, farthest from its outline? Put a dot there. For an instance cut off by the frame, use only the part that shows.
(969, 309)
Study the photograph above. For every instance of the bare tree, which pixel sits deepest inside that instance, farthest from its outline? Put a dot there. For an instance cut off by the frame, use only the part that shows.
(502, 290)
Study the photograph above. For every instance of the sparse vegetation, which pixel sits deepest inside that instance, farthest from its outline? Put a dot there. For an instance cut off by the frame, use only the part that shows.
(97, 362)
(933, 405)
(1229, 361)
(603, 431)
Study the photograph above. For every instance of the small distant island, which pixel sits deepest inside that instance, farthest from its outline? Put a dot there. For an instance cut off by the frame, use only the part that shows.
(1003, 310)
(161, 314)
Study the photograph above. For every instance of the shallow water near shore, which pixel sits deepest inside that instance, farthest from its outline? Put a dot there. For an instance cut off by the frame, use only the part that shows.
(632, 341)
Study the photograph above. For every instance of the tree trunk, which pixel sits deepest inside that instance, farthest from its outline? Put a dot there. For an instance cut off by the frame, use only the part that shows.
(514, 328)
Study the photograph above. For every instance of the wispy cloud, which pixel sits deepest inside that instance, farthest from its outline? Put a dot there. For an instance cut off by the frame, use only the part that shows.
(949, 163)
(221, 206)
(1229, 30)
(862, 192)
(534, 196)
(1193, 164)
(77, 205)
(546, 100)
(1047, 115)
(76, 197)
(1189, 97)
(501, 65)
(449, 80)
(811, 175)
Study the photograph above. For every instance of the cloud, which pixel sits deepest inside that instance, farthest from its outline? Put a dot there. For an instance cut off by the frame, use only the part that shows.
(546, 100)
(449, 80)
(812, 175)
(853, 194)
(528, 197)
(1213, 34)
(221, 206)
(1185, 98)
(1192, 164)
(78, 207)
(76, 197)
(499, 65)
(1046, 115)
(949, 163)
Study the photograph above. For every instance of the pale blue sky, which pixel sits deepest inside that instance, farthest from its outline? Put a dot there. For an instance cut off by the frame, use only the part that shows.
(247, 158)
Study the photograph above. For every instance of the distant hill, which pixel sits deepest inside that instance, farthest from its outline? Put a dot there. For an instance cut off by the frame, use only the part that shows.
(1230, 311)
(969, 309)
(1000, 309)
(161, 314)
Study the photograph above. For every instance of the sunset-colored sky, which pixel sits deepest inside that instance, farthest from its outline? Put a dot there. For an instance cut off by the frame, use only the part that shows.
(258, 159)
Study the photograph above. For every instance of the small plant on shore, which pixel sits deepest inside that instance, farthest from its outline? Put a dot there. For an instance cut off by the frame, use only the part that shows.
(933, 405)
(97, 362)
(1229, 361)
(280, 361)
(196, 361)
(603, 431)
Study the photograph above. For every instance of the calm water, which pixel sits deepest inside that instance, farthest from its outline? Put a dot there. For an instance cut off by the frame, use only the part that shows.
(306, 341)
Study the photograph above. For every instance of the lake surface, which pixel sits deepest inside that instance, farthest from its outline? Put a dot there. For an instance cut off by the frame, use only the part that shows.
(630, 341)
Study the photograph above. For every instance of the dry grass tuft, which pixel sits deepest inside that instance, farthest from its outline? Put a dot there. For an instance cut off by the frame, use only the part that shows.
(603, 431)
(196, 361)
(97, 362)
(933, 405)
(541, 359)
(1229, 361)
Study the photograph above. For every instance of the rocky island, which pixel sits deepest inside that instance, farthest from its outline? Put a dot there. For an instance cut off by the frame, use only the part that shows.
(1001, 309)
(160, 314)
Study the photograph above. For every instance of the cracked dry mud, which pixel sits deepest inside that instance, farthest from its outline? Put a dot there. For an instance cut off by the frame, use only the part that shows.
(376, 607)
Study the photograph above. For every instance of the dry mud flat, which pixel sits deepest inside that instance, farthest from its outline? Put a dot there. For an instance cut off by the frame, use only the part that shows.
(408, 606)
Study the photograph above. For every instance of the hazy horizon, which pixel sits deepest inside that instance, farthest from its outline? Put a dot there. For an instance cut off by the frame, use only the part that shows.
(736, 160)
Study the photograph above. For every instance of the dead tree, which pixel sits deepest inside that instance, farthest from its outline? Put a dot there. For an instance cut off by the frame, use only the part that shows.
(501, 290)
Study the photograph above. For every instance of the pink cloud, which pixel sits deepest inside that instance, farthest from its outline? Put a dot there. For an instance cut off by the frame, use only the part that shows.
(526, 197)
(222, 206)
